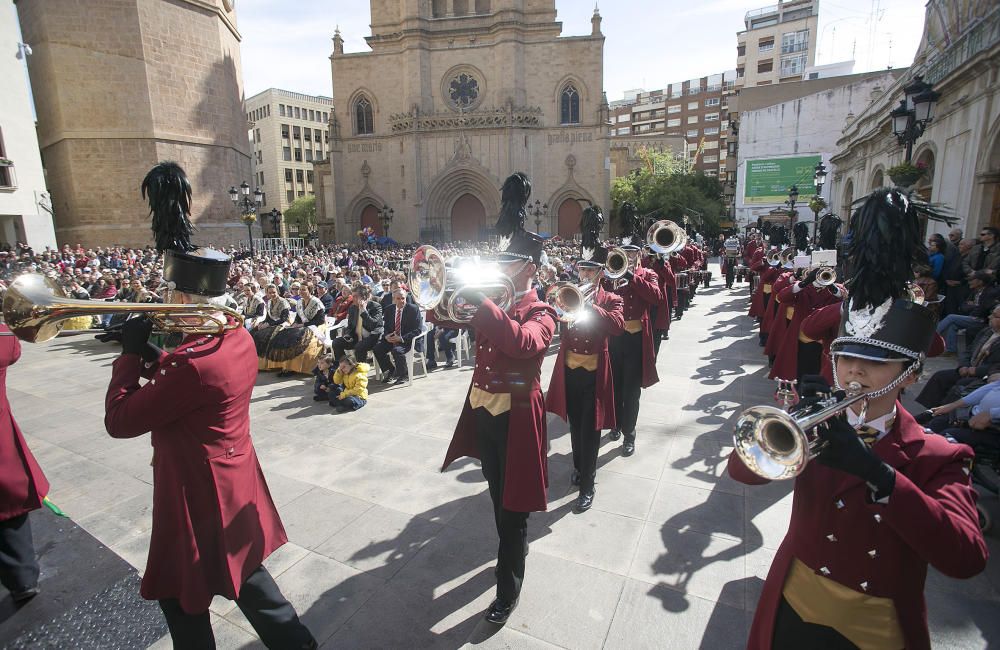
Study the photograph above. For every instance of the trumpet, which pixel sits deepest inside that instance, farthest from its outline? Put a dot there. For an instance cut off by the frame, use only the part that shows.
(443, 290)
(774, 258)
(776, 445)
(35, 307)
(826, 276)
(788, 255)
(569, 300)
(617, 264)
(665, 237)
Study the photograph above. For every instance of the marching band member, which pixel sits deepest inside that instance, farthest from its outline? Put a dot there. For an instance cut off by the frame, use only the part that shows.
(503, 420)
(633, 360)
(679, 265)
(214, 522)
(797, 354)
(776, 316)
(766, 271)
(663, 312)
(731, 253)
(581, 390)
(882, 499)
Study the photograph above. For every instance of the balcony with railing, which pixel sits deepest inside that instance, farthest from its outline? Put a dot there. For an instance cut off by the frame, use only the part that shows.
(791, 48)
(8, 181)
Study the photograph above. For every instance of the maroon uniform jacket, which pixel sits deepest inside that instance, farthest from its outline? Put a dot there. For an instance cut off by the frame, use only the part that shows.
(668, 287)
(748, 251)
(823, 325)
(641, 292)
(509, 354)
(805, 302)
(834, 530)
(770, 321)
(678, 263)
(768, 274)
(22, 484)
(213, 518)
(590, 337)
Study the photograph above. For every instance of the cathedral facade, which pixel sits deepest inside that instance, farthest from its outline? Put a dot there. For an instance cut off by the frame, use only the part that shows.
(453, 97)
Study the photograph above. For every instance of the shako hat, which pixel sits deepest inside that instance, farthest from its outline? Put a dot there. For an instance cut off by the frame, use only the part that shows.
(592, 253)
(516, 243)
(189, 268)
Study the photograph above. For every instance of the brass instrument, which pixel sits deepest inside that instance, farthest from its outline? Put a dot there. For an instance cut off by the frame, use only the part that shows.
(443, 289)
(665, 237)
(787, 256)
(617, 264)
(774, 258)
(916, 293)
(826, 276)
(569, 300)
(35, 307)
(776, 445)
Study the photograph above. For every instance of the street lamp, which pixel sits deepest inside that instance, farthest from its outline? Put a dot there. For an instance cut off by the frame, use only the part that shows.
(247, 206)
(914, 113)
(793, 196)
(275, 215)
(539, 212)
(819, 177)
(385, 216)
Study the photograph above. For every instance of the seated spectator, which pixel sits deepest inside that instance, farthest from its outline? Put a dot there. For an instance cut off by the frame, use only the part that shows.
(403, 323)
(252, 305)
(972, 313)
(323, 372)
(364, 326)
(974, 419)
(444, 339)
(984, 256)
(973, 366)
(342, 305)
(349, 390)
(324, 296)
(936, 258)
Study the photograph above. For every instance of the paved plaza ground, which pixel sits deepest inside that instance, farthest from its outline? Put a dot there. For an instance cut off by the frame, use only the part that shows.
(387, 552)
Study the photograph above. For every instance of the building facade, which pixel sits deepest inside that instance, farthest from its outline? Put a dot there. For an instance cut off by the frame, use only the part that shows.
(288, 133)
(629, 153)
(452, 98)
(694, 110)
(798, 121)
(959, 55)
(25, 204)
(120, 85)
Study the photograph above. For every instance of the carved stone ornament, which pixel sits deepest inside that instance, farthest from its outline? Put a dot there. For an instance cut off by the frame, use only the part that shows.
(365, 170)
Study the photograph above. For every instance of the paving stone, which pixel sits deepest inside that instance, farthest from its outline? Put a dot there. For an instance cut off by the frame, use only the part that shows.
(317, 515)
(712, 512)
(594, 538)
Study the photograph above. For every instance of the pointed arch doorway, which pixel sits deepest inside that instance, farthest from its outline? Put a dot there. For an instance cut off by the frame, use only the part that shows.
(468, 219)
(569, 213)
(369, 219)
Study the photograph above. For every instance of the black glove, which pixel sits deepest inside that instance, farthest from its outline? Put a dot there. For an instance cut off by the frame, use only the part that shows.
(844, 450)
(629, 275)
(135, 335)
(813, 385)
(809, 279)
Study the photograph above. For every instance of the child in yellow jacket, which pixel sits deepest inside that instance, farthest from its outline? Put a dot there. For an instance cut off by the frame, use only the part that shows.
(349, 391)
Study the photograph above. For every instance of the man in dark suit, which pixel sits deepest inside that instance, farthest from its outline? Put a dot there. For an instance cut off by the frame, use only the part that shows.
(364, 326)
(403, 323)
(974, 365)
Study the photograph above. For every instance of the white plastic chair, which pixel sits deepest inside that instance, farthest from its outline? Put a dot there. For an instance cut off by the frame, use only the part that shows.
(414, 356)
(463, 342)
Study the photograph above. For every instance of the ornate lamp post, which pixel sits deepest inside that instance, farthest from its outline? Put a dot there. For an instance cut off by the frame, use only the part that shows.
(793, 196)
(385, 216)
(275, 216)
(247, 206)
(817, 203)
(539, 212)
(914, 113)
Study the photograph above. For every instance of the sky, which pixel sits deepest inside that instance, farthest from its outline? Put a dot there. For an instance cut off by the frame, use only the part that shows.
(649, 43)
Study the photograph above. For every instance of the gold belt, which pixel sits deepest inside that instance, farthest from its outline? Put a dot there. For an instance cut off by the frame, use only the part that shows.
(495, 403)
(577, 360)
(767, 288)
(633, 326)
(866, 621)
(805, 339)
(789, 312)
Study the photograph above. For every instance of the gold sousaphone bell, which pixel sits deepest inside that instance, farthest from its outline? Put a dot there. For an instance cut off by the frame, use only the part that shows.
(35, 309)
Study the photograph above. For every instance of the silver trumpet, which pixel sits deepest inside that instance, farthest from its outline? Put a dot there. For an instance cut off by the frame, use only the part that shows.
(570, 300)
(776, 445)
(826, 276)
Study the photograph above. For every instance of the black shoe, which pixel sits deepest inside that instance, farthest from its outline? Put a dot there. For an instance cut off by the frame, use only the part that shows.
(574, 478)
(615, 434)
(629, 447)
(500, 611)
(449, 364)
(25, 595)
(399, 380)
(387, 377)
(924, 416)
(432, 366)
(584, 501)
(285, 373)
(320, 398)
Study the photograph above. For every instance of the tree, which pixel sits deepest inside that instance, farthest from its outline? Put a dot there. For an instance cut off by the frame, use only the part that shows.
(666, 188)
(301, 214)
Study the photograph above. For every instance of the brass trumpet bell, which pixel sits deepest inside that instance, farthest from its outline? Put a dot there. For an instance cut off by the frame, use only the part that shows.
(665, 237)
(436, 286)
(617, 264)
(569, 300)
(826, 276)
(35, 308)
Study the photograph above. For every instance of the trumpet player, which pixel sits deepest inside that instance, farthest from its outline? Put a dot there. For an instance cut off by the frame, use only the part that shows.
(214, 522)
(661, 313)
(503, 418)
(633, 360)
(881, 500)
(581, 390)
(776, 316)
(797, 354)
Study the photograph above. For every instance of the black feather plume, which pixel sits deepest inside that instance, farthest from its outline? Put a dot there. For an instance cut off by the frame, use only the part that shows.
(801, 231)
(591, 224)
(829, 228)
(885, 245)
(514, 196)
(169, 193)
(631, 225)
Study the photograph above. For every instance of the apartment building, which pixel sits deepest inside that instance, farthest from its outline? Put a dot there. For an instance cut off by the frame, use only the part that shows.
(288, 132)
(694, 110)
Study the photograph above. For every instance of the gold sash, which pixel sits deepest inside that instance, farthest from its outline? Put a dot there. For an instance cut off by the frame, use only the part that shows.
(495, 403)
(767, 288)
(633, 326)
(805, 339)
(789, 312)
(866, 621)
(576, 360)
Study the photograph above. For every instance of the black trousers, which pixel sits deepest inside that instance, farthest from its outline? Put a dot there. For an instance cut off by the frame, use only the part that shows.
(512, 526)
(791, 632)
(937, 388)
(398, 364)
(361, 348)
(581, 395)
(626, 370)
(270, 614)
(765, 300)
(730, 274)
(808, 360)
(18, 566)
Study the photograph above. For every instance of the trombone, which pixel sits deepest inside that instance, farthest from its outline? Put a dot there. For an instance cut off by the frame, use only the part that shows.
(776, 445)
(35, 307)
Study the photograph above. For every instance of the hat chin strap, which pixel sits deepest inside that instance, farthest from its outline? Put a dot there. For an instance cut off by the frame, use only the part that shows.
(891, 386)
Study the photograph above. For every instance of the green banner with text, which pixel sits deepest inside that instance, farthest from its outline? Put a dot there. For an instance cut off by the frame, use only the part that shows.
(768, 179)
